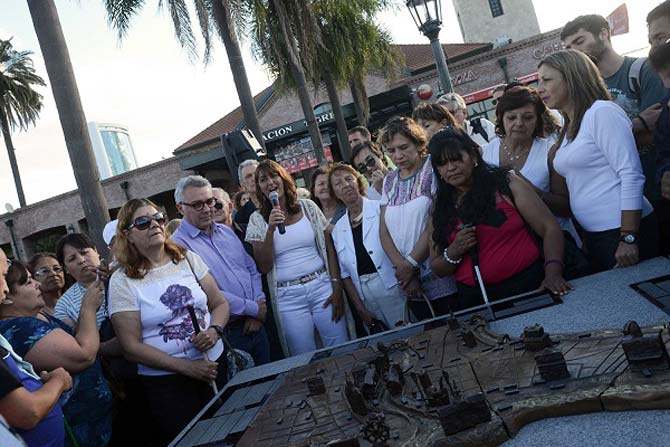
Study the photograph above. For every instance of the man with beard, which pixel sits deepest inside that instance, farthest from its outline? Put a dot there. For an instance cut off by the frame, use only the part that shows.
(632, 83)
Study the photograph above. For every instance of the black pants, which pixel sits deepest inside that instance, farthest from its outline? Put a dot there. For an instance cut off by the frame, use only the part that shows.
(175, 399)
(662, 211)
(602, 245)
(524, 281)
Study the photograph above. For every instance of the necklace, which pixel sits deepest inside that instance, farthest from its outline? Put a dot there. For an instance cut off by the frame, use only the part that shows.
(357, 219)
(512, 156)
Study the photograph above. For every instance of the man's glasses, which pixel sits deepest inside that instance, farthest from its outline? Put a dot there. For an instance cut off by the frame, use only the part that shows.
(44, 271)
(199, 205)
(144, 222)
(369, 163)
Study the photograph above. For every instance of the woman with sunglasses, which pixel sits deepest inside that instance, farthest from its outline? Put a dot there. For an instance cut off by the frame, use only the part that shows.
(48, 343)
(368, 160)
(46, 269)
(290, 248)
(406, 201)
(153, 296)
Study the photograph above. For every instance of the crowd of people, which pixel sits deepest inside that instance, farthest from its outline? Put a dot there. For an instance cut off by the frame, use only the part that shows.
(573, 178)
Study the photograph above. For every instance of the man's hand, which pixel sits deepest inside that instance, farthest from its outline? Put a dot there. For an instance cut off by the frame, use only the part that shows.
(665, 185)
(251, 326)
(627, 255)
(262, 310)
(650, 116)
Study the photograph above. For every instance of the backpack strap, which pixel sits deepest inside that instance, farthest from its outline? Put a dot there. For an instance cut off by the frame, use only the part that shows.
(478, 128)
(634, 73)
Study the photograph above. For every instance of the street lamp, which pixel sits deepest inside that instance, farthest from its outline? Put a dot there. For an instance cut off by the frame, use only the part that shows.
(427, 15)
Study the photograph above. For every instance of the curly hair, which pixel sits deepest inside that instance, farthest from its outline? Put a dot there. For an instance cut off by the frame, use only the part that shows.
(518, 97)
(271, 167)
(406, 127)
(341, 167)
(129, 258)
(433, 112)
(479, 202)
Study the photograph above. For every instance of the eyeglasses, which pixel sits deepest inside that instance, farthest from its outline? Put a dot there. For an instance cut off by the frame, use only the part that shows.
(199, 205)
(44, 271)
(144, 222)
(369, 163)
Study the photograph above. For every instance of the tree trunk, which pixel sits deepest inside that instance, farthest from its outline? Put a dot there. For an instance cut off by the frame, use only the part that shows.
(361, 104)
(4, 124)
(340, 123)
(223, 19)
(299, 78)
(73, 121)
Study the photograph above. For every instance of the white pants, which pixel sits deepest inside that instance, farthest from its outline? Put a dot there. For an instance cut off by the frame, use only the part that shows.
(301, 309)
(387, 305)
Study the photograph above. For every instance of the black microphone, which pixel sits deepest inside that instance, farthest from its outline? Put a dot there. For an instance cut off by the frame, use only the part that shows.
(274, 198)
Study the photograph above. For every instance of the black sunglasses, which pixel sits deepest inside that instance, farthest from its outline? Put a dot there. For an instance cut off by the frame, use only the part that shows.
(198, 206)
(144, 222)
(367, 164)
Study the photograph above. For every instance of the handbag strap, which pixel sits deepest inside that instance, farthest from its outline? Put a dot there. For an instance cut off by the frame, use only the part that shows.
(239, 361)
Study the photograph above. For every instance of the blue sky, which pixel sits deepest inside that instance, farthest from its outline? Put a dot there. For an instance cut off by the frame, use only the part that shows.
(147, 83)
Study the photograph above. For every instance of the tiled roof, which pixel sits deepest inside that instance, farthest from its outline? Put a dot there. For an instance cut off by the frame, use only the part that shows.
(226, 124)
(416, 56)
(421, 55)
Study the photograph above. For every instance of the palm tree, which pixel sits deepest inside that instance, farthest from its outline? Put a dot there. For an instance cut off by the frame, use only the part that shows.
(73, 121)
(221, 12)
(20, 104)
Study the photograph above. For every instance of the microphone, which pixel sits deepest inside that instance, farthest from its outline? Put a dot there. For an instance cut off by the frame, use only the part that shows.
(274, 198)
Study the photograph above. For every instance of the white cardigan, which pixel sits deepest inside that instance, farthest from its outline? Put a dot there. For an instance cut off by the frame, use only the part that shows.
(343, 239)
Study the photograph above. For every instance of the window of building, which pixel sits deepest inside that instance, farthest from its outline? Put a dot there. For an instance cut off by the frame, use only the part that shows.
(496, 8)
(322, 108)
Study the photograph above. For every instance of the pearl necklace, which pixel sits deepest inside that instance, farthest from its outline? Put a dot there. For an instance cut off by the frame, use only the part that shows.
(512, 156)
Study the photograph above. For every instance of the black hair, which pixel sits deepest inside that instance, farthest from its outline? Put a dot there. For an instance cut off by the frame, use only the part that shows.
(591, 23)
(478, 203)
(36, 258)
(662, 10)
(17, 275)
(372, 147)
(75, 240)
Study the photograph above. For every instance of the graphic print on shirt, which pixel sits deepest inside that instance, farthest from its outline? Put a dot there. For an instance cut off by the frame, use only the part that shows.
(628, 104)
(176, 298)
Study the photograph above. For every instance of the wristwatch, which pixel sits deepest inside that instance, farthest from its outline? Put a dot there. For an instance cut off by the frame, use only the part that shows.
(628, 238)
(218, 329)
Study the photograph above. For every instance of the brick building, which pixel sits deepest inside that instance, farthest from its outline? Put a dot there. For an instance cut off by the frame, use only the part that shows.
(475, 68)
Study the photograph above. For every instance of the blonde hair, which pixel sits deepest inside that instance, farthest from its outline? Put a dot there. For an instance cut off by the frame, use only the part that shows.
(127, 255)
(452, 98)
(584, 84)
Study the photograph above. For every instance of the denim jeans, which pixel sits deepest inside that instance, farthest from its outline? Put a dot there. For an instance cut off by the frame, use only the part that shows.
(301, 309)
(256, 344)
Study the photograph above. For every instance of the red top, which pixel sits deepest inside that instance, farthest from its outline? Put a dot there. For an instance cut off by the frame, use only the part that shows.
(503, 251)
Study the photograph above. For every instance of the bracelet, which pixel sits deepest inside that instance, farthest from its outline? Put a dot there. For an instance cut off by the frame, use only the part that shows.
(644, 123)
(553, 261)
(412, 261)
(335, 280)
(445, 254)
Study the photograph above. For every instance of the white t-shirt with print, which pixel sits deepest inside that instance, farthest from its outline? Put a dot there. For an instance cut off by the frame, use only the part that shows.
(162, 297)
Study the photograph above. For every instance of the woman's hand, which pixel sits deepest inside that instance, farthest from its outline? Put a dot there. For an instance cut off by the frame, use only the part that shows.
(404, 272)
(413, 289)
(377, 179)
(364, 314)
(94, 296)
(466, 239)
(626, 255)
(276, 217)
(204, 340)
(337, 301)
(59, 375)
(554, 281)
(205, 370)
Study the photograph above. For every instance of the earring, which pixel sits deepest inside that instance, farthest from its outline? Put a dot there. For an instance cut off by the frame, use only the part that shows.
(476, 164)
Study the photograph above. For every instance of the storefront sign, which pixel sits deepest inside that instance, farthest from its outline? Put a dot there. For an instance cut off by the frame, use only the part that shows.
(294, 128)
(464, 78)
(542, 52)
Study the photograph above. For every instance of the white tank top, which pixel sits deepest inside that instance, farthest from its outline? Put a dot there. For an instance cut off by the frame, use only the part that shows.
(296, 254)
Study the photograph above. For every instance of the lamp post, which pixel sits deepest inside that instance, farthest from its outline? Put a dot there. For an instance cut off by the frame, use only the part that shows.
(427, 15)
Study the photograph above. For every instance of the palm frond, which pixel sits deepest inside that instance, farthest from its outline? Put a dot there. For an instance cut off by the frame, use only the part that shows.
(181, 21)
(121, 12)
(19, 101)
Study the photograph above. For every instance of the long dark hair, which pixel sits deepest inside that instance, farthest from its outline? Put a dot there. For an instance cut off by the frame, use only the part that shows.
(272, 167)
(479, 203)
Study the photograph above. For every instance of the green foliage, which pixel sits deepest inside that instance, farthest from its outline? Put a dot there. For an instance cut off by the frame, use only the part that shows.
(19, 102)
